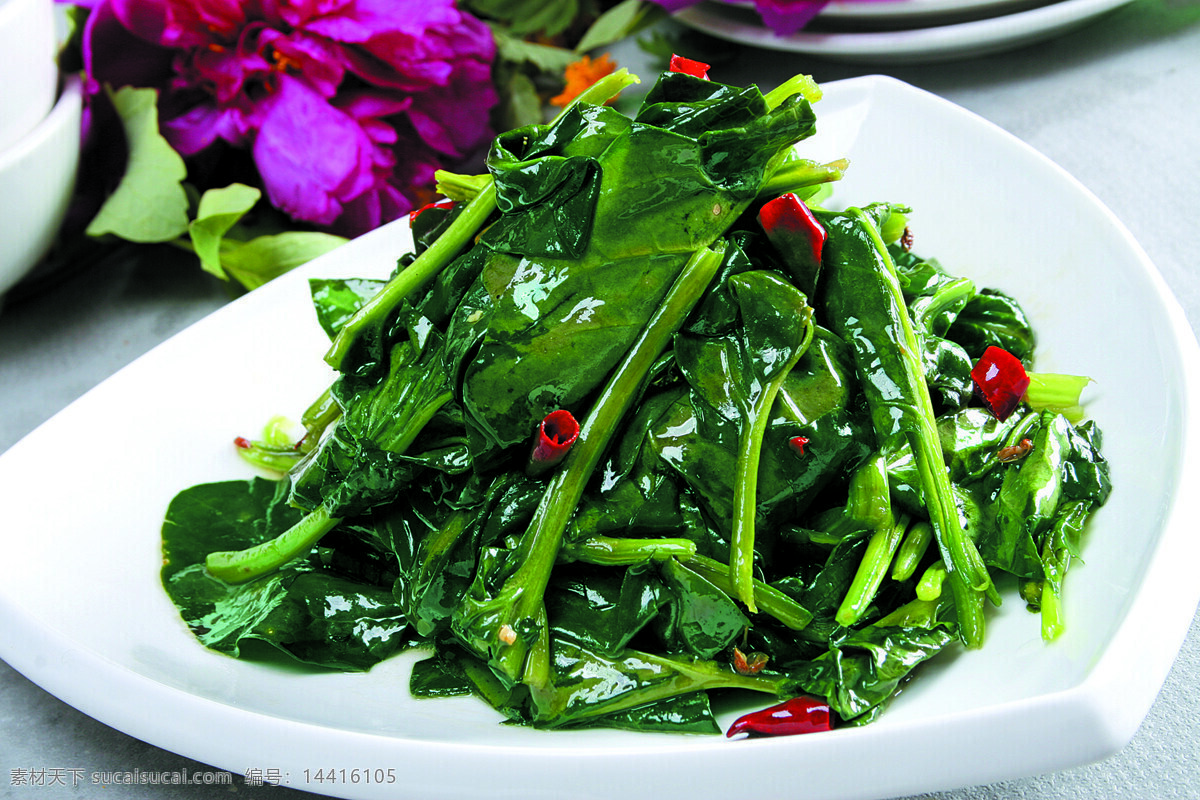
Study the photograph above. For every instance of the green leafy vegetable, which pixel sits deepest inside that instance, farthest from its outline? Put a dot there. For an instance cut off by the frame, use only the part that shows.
(781, 483)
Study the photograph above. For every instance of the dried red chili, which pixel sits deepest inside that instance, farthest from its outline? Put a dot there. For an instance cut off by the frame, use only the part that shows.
(798, 715)
(412, 215)
(697, 69)
(787, 216)
(555, 435)
(1000, 381)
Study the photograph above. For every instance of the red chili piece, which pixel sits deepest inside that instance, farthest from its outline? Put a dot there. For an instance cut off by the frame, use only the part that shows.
(798, 715)
(797, 443)
(787, 216)
(1000, 381)
(556, 434)
(242, 443)
(696, 68)
(412, 215)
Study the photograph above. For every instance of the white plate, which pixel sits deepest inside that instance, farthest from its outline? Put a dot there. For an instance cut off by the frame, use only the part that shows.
(915, 45)
(83, 615)
(912, 12)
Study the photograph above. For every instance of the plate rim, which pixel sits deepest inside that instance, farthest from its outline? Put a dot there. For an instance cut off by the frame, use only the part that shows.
(912, 45)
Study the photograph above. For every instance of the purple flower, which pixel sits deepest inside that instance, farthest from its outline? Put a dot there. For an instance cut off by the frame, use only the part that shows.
(784, 17)
(346, 107)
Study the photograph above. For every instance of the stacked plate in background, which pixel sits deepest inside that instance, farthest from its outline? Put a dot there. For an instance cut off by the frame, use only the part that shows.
(902, 31)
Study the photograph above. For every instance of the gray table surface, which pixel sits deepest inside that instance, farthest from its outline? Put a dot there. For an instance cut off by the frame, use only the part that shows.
(1114, 102)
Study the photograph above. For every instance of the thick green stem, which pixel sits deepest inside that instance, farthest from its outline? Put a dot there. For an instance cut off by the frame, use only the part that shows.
(538, 549)
(799, 175)
(912, 550)
(239, 566)
(871, 572)
(745, 487)
(959, 551)
(929, 587)
(612, 552)
(968, 604)
(1052, 622)
(423, 269)
(803, 85)
(1058, 393)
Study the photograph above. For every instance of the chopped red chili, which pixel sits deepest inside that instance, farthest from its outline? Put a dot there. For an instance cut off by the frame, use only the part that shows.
(242, 443)
(798, 715)
(412, 215)
(1000, 381)
(556, 434)
(788, 216)
(695, 68)
(797, 443)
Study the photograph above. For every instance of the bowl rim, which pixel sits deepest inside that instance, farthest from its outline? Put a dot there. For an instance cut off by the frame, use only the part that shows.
(68, 102)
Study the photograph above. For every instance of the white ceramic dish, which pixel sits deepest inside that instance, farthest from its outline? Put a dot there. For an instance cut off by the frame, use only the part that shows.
(28, 66)
(888, 13)
(83, 615)
(37, 177)
(906, 46)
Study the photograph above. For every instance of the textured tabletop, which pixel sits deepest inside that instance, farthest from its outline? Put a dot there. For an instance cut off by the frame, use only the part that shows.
(1113, 102)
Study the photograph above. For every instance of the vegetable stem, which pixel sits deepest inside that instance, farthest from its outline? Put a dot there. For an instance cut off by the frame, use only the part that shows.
(239, 566)
(611, 552)
(745, 486)
(424, 268)
(912, 550)
(871, 571)
(538, 548)
(962, 559)
(803, 85)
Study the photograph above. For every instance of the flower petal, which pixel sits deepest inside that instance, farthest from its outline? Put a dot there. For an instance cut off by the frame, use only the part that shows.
(311, 155)
(785, 17)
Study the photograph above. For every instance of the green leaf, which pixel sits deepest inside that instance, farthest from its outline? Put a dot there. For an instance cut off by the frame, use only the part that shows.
(150, 204)
(619, 22)
(545, 57)
(336, 300)
(219, 210)
(265, 258)
(523, 17)
(702, 620)
(339, 619)
(863, 669)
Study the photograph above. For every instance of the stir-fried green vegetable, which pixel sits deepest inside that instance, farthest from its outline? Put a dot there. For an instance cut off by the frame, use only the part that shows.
(779, 480)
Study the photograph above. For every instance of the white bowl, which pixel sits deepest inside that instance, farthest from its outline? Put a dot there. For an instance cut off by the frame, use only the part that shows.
(37, 176)
(28, 67)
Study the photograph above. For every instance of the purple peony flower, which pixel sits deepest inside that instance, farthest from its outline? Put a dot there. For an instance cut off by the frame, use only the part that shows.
(784, 17)
(346, 107)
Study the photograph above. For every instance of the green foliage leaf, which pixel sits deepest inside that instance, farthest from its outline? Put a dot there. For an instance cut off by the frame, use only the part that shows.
(265, 258)
(524, 17)
(619, 22)
(219, 210)
(150, 204)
